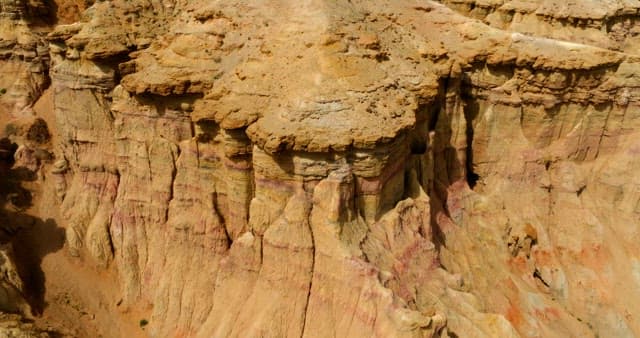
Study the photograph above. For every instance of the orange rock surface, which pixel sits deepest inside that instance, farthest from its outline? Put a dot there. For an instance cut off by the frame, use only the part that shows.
(406, 168)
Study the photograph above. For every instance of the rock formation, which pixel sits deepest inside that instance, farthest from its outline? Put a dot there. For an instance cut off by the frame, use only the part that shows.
(405, 168)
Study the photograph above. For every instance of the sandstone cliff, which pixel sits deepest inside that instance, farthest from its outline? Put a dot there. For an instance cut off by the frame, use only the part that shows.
(321, 168)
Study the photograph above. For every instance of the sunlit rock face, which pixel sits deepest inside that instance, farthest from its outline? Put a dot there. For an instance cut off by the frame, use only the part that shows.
(324, 168)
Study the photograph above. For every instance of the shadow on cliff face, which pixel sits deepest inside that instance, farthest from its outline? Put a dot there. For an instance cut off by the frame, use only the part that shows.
(452, 165)
(31, 245)
(32, 238)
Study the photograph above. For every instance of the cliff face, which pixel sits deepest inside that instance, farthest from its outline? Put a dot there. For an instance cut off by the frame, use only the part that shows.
(317, 168)
(609, 24)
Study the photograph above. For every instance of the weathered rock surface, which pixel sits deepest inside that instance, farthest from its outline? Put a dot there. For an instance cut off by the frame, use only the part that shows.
(326, 168)
(609, 24)
(24, 54)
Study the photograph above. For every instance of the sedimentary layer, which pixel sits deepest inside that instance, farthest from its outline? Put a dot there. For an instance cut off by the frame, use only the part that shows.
(346, 168)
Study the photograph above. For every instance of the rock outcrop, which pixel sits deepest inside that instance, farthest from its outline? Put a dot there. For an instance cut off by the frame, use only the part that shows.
(24, 54)
(332, 168)
(606, 24)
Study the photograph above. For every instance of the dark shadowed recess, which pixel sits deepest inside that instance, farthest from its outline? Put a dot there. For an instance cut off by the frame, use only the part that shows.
(32, 237)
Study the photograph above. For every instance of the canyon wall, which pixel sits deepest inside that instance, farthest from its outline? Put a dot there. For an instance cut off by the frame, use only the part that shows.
(321, 168)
